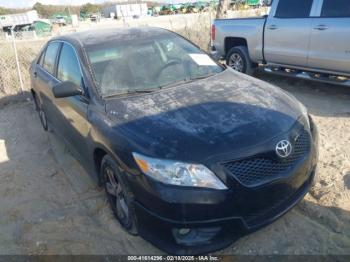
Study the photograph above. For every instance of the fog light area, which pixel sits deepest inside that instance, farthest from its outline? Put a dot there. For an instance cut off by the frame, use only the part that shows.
(195, 236)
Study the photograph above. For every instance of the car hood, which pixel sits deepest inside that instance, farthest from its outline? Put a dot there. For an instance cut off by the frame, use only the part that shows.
(194, 121)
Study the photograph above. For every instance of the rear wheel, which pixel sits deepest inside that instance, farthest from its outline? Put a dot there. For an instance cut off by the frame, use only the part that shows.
(238, 59)
(43, 119)
(119, 195)
(41, 112)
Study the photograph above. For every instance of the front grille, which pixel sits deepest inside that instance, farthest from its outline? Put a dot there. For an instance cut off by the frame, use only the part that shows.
(259, 170)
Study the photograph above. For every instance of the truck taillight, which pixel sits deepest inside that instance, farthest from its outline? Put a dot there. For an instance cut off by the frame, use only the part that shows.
(213, 32)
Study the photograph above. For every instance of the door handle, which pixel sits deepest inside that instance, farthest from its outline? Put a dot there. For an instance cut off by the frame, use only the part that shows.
(272, 27)
(321, 27)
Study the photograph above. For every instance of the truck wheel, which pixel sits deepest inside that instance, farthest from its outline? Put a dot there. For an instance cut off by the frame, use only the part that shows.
(238, 59)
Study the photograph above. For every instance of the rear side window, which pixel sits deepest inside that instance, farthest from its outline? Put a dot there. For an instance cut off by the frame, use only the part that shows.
(293, 8)
(335, 8)
(68, 66)
(50, 57)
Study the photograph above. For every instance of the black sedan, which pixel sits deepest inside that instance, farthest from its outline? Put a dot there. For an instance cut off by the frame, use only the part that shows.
(191, 155)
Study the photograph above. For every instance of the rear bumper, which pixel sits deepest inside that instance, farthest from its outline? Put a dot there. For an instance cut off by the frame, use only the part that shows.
(207, 235)
(214, 53)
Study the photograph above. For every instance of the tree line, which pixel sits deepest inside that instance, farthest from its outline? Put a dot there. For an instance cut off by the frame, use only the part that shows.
(47, 11)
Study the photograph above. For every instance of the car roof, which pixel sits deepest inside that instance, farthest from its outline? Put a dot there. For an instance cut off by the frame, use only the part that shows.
(100, 36)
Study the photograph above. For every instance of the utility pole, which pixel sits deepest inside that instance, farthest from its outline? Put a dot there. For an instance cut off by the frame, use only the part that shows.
(69, 8)
(222, 8)
(17, 60)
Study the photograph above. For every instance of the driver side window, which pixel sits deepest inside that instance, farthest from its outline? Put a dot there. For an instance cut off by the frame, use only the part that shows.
(68, 66)
(50, 57)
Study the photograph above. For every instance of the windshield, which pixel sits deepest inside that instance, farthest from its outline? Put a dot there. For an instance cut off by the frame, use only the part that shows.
(136, 66)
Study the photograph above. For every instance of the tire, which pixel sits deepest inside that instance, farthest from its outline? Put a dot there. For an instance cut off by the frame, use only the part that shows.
(238, 59)
(41, 112)
(118, 194)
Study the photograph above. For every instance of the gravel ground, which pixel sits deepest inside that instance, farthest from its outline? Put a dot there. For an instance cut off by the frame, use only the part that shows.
(49, 205)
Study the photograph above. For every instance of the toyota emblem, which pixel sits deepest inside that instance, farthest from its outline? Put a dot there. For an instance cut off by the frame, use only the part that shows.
(284, 148)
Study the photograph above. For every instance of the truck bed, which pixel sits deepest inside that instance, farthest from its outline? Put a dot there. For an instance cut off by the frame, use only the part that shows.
(251, 29)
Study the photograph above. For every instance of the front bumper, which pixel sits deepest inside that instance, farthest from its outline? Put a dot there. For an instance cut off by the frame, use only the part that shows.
(207, 235)
(189, 222)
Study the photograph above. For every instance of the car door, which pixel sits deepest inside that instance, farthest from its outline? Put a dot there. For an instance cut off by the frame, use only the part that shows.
(73, 120)
(287, 32)
(330, 37)
(44, 79)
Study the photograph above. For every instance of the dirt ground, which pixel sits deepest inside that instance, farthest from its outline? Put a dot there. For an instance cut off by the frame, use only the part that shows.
(49, 205)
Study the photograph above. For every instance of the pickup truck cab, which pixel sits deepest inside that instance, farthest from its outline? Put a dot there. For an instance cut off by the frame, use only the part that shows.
(303, 38)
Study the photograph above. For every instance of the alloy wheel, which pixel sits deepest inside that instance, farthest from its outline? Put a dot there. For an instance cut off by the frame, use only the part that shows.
(236, 62)
(116, 196)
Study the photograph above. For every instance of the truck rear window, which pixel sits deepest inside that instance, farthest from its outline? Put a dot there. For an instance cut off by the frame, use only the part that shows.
(293, 8)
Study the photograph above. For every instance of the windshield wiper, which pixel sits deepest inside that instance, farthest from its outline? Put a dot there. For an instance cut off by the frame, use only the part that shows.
(185, 81)
(145, 91)
(141, 91)
(172, 84)
(201, 77)
(133, 91)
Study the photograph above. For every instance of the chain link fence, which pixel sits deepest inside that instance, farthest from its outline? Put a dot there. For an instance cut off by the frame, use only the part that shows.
(15, 69)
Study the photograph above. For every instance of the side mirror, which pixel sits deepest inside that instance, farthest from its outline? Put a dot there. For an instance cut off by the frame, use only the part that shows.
(66, 89)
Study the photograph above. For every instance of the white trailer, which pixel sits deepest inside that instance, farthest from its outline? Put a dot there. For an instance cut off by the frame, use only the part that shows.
(126, 10)
(21, 19)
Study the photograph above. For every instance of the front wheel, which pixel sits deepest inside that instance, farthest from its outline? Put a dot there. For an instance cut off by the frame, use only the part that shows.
(119, 195)
(238, 59)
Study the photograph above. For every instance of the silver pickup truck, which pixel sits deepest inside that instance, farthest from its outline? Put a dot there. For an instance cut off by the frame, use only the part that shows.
(302, 38)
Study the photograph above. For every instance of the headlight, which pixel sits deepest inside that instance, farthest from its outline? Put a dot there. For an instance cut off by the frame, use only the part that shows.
(178, 173)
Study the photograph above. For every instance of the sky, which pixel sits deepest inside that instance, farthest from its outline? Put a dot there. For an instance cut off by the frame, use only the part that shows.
(30, 3)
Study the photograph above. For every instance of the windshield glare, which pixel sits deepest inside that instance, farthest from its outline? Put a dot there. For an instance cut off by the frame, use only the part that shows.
(123, 67)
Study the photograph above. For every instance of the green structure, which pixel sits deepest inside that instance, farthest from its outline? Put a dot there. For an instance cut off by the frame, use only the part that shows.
(246, 2)
(253, 2)
(41, 28)
(63, 15)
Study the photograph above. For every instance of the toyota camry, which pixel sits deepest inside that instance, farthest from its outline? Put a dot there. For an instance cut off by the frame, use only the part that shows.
(192, 155)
